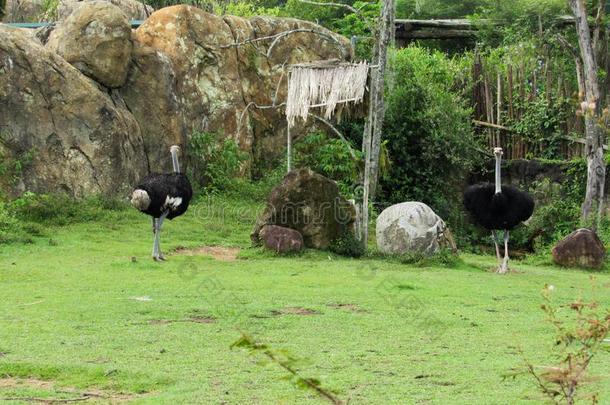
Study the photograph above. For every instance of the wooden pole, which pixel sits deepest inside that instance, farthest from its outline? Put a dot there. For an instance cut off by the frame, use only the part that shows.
(288, 149)
(372, 143)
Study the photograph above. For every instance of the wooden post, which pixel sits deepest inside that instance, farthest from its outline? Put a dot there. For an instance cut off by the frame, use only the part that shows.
(372, 143)
(596, 167)
(288, 149)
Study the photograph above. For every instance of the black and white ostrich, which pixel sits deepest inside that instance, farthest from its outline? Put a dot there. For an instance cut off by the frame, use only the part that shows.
(163, 196)
(496, 207)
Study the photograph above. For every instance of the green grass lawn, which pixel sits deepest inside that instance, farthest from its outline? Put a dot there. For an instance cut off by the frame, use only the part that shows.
(85, 309)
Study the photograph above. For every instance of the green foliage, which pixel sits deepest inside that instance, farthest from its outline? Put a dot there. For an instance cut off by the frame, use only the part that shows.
(247, 9)
(29, 215)
(61, 209)
(540, 124)
(214, 165)
(430, 139)
(12, 165)
(347, 245)
(330, 157)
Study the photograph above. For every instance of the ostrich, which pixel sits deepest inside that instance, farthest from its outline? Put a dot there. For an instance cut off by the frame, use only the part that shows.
(497, 207)
(163, 196)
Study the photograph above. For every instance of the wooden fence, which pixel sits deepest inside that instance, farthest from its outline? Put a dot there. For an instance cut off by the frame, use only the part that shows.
(498, 98)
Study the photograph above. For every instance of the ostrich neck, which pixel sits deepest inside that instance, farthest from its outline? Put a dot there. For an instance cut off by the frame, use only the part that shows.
(175, 162)
(498, 178)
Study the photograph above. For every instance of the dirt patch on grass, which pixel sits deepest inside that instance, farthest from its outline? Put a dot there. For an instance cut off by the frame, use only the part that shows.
(294, 311)
(57, 394)
(346, 306)
(226, 254)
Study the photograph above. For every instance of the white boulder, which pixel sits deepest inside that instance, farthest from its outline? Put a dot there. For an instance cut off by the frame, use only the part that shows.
(411, 227)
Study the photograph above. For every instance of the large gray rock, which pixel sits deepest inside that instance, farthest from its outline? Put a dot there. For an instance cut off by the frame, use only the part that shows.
(581, 248)
(76, 138)
(311, 204)
(34, 10)
(412, 227)
(22, 10)
(96, 39)
(133, 10)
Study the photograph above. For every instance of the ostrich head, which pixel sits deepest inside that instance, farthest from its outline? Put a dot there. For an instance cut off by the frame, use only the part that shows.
(140, 199)
(174, 151)
(498, 153)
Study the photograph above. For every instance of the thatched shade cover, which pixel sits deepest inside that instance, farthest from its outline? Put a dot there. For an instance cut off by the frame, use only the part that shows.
(324, 85)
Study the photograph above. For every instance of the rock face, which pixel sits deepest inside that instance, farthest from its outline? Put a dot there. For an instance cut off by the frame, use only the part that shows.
(80, 139)
(99, 122)
(23, 10)
(216, 81)
(412, 227)
(580, 248)
(150, 95)
(34, 10)
(96, 39)
(281, 239)
(309, 203)
(133, 10)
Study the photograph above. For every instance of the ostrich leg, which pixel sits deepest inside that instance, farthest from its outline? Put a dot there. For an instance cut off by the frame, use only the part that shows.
(504, 267)
(155, 250)
(494, 236)
(159, 256)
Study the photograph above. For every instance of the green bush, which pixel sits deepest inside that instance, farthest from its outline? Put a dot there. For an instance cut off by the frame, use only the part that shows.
(429, 135)
(61, 209)
(330, 157)
(29, 215)
(214, 165)
(347, 245)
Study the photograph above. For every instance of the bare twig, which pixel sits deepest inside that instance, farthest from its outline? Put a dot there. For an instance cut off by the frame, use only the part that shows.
(248, 342)
(282, 34)
(286, 33)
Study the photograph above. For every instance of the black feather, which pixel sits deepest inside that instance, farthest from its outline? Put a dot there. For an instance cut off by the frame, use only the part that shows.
(504, 210)
(161, 186)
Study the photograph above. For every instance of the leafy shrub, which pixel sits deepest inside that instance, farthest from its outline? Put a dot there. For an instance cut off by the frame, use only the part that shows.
(61, 209)
(10, 227)
(214, 165)
(347, 245)
(29, 215)
(330, 157)
(429, 135)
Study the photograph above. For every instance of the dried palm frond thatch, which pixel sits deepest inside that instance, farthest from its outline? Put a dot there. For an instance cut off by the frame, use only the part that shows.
(324, 85)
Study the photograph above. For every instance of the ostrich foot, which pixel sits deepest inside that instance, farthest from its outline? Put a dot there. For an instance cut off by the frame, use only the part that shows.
(159, 258)
(503, 268)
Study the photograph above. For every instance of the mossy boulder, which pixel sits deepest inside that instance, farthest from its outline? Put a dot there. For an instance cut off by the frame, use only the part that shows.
(311, 204)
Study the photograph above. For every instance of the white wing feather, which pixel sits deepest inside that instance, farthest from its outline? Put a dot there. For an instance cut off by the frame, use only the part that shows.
(172, 203)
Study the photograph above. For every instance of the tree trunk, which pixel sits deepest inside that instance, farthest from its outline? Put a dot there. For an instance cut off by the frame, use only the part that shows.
(596, 167)
(372, 137)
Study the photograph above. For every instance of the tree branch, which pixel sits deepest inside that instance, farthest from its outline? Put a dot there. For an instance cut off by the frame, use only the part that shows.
(354, 10)
(286, 33)
(578, 61)
(282, 34)
(339, 134)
